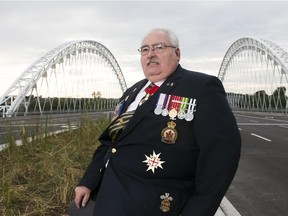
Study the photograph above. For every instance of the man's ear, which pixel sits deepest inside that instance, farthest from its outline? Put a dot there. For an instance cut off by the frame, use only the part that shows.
(178, 53)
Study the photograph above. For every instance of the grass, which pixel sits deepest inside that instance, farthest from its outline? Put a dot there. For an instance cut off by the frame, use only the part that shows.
(39, 177)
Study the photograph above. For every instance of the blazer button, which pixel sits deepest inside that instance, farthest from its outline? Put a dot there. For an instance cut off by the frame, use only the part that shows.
(113, 150)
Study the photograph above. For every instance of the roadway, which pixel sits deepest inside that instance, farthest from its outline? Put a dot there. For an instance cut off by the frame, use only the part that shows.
(34, 124)
(260, 186)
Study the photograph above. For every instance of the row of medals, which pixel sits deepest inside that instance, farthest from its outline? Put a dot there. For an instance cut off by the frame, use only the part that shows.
(181, 114)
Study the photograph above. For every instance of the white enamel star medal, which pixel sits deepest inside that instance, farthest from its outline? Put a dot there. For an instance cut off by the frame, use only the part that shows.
(153, 162)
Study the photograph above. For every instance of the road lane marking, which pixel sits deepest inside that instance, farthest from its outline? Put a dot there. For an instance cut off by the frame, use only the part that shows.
(262, 118)
(269, 117)
(283, 126)
(253, 121)
(262, 124)
(227, 208)
(261, 137)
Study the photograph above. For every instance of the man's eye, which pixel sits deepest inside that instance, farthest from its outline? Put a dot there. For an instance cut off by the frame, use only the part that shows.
(145, 49)
(159, 47)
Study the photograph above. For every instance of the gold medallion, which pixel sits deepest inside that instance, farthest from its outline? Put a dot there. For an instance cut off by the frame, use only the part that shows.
(169, 134)
(173, 113)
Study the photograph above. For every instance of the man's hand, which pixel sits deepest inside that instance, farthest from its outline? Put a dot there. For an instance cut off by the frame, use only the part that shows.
(82, 195)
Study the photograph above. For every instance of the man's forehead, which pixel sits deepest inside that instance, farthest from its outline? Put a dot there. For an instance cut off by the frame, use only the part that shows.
(155, 37)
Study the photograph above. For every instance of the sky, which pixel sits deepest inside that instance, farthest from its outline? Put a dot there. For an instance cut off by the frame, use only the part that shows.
(206, 30)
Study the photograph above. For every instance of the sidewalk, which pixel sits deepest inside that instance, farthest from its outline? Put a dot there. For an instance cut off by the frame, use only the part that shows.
(226, 209)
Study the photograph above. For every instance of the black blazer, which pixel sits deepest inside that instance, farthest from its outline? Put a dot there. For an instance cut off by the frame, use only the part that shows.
(148, 177)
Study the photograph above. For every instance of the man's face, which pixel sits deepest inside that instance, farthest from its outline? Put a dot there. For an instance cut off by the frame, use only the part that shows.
(158, 66)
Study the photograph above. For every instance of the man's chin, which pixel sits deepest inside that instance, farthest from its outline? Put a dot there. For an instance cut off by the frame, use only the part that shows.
(154, 77)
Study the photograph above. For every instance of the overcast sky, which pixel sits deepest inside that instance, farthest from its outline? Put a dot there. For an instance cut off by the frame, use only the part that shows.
(206, 30)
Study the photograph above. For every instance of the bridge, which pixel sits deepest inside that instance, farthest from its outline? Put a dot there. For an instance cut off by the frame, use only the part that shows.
(255, 75)
(84, 76)
(74, 77)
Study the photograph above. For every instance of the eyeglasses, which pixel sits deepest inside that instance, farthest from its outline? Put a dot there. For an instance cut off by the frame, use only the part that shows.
(156, 48)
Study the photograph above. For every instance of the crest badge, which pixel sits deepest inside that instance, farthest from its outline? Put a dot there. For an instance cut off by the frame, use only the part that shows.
(166, 202)
(169, 134)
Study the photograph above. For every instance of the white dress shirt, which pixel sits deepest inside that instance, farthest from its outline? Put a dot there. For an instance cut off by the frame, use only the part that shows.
(141, 94)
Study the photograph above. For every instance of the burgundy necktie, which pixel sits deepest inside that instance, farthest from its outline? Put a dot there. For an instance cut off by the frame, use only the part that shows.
(150, 90)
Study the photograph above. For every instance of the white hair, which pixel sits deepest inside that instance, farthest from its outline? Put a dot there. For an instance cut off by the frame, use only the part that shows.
(170, 34)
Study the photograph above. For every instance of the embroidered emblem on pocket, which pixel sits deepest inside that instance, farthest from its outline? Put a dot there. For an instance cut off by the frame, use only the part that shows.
(166, 202)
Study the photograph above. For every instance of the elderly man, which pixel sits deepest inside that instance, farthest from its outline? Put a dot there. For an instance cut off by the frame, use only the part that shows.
(172, 148)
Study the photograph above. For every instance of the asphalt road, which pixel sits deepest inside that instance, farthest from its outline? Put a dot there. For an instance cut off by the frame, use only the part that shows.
(260, 187)
(13, 127)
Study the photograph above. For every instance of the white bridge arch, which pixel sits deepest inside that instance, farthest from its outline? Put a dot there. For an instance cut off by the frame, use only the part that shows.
(254, 72)
(89, 62)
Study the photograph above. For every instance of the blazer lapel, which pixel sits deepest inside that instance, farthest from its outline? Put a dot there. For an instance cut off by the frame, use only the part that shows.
(131, 97)
(150, 104)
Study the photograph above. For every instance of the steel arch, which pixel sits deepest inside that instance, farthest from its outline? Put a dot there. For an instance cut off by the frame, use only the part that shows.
(25, 82)
(265, 46)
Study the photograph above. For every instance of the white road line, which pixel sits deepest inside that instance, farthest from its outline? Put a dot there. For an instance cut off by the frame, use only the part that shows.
(263, 118)
(283, 126)
(261, 137)
(261, 124)
(253, 121)
(227, 208)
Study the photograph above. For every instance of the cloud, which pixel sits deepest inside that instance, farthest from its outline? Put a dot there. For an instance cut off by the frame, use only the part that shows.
(206, 29)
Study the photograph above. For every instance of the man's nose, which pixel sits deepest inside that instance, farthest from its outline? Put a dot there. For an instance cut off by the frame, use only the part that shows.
(151, 53)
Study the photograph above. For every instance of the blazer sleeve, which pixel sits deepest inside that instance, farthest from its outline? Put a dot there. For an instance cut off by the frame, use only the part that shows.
(219, 142)
(92, 177)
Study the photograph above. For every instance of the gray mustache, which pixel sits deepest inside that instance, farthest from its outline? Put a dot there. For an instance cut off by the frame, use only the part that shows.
(153, 61)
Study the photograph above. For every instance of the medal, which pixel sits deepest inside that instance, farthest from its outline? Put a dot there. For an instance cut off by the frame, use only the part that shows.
(165, 111)
(160, 103)
(181, 114)
(173, 113)
(173, 107)
(182, 111)
(189, 115)
(169, 134)
(158, 110)
(153, 161)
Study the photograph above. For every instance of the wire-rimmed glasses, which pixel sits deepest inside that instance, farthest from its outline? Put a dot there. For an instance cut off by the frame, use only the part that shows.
(156, 48)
